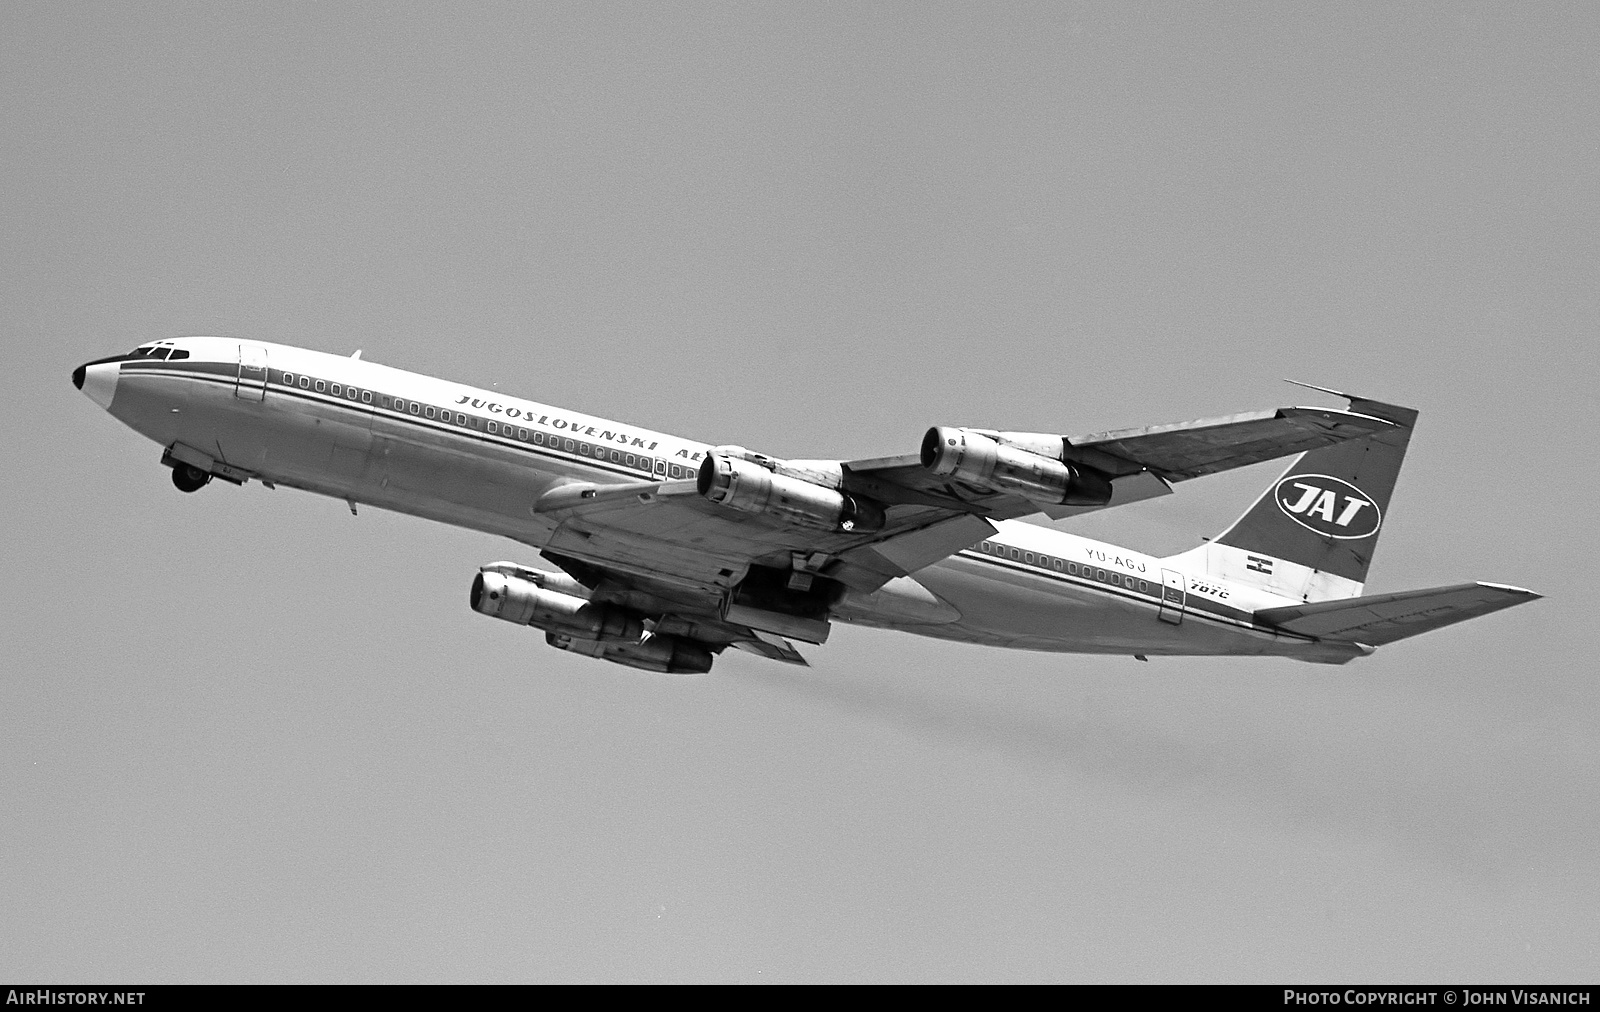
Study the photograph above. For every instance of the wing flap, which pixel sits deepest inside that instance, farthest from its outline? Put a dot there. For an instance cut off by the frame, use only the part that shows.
(579, 496)
(871, 566)
(1384, 618)
(772, 647)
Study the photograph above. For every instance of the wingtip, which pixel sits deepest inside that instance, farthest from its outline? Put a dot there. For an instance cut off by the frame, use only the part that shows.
(1325, 390)
(1397, 414)
(1507, 588)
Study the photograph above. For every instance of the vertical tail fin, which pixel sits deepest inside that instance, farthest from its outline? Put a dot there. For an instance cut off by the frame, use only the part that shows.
(1312, 533)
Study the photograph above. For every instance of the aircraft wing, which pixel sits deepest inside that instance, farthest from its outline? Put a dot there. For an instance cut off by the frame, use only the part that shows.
(1140, 462)
(1192, 449)
(1383, 618)
(658, 531)
(667, 533)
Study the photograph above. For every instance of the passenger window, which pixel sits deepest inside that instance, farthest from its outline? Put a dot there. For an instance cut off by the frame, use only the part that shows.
(304, 382)
(1028, 558)
(567, 445)
(334, 390)
(616, 458)
(538, 439)
(288, 379)
(366, 396)
(350, 392)
(1144, 588)
(1057, 564)
(661, 467)
(1100, 575)
(632, 462)
(321, 386)
(522, 434)
(493, 430)
(414, 407)
(1116, 581)
(178, 353)
(429, 410)
(583, 448)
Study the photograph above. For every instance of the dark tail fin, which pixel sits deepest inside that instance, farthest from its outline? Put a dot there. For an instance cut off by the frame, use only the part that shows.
(1312, 533)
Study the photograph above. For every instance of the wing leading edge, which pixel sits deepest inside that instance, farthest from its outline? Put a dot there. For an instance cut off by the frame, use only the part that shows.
(1141, 462)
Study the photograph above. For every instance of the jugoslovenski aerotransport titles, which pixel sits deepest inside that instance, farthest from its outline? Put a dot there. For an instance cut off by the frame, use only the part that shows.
(664, 552)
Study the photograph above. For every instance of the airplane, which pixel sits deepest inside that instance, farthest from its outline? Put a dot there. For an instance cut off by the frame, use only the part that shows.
(667, 551)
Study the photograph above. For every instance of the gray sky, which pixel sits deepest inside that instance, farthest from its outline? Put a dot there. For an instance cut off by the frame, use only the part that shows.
(249, 737)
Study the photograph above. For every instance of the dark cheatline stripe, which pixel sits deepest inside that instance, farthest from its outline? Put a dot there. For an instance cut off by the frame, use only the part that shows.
(226, 374)
(182, 366)
(1193, 605)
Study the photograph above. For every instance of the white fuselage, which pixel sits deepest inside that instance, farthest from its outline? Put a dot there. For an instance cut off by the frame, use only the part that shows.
(396, 440)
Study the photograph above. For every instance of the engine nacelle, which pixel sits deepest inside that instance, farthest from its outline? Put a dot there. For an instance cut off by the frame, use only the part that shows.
(753, 488)
(561, 583)
(525, 603)
(984, 460)
(671, 655)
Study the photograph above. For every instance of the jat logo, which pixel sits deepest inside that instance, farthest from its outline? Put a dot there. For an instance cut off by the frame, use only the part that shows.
(1329, 506)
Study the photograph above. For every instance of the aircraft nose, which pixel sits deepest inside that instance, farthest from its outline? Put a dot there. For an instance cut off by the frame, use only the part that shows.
(98, 380)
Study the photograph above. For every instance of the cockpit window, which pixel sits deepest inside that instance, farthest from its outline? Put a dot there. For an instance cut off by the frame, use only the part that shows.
(158, 351)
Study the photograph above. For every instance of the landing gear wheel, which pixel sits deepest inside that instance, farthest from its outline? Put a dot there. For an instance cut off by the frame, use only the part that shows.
(189, 478)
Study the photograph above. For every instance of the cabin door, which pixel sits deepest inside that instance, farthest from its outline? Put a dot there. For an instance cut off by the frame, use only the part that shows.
(252, 384)
(1174, 594)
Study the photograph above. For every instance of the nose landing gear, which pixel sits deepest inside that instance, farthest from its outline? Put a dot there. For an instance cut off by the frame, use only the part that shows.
(189, 478)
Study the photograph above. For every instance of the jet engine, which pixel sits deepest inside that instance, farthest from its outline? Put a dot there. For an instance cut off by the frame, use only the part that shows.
(756, 486)
(525, 603)
(994, 461)
(671, 655)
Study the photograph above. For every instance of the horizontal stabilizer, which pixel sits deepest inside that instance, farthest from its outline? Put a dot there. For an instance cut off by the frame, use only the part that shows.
(1384, 618)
